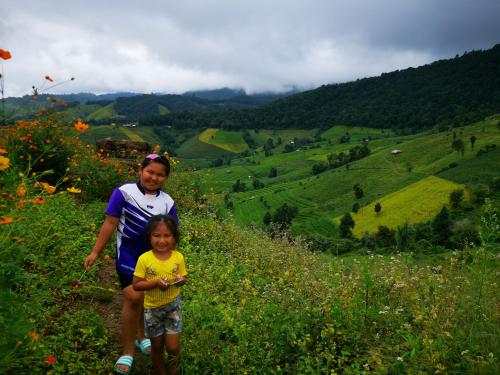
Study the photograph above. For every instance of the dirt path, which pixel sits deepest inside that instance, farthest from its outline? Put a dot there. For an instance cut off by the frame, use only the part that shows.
(110, 310)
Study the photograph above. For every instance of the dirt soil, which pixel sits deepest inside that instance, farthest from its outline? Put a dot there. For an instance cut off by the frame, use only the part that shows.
(110, 310)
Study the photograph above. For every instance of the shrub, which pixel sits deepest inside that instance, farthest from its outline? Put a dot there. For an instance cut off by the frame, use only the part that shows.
(456, 198)
(479, 193)
(465, 233)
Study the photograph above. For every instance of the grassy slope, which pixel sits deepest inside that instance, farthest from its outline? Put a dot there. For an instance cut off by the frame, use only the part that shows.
(95, 133)
(314, 313)
(105, 112)
(130, 134)
(162, 109)
(193, 148)
(328, 195)
(414, 203)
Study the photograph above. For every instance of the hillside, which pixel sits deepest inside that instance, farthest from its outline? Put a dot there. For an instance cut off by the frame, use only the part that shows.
(323, 197)
(446, 92)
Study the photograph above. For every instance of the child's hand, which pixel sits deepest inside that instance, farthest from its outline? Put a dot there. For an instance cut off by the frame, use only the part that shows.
(162, 284)
(180, 280)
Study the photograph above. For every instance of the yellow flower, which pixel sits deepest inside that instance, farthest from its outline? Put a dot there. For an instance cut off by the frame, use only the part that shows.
(74, 190)
(4, 163)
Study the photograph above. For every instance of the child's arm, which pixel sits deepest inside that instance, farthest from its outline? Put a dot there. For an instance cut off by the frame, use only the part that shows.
(141, 284)
(107, 229)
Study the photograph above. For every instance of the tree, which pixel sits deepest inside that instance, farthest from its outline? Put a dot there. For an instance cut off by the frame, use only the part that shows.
(355, 207)
(257, 184)
(441, 226)
(456, 198)
(319, 168)
(458, 146)
(358, 191)
(378, 208)
(273, 172)
(346, 225)
(472, 141)
(267, 219)
(284, 215)
(239, 186)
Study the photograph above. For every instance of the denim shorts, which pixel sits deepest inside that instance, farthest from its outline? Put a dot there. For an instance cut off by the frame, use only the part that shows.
(166, 319)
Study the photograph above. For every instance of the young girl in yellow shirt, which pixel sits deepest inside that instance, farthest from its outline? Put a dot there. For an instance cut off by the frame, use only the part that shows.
(160, 273)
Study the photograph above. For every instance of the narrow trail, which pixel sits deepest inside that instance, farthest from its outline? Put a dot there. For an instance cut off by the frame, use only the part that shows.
(110, 311)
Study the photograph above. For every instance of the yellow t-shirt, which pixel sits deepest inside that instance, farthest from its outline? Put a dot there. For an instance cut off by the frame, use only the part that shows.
(149, 267)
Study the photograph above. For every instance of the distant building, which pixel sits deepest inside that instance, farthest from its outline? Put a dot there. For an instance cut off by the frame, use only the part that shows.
(130, 125)
(396, 152)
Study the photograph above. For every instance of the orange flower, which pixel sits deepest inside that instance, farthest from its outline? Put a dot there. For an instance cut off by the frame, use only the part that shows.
(21, 191)
(20, 204)
(49, 189)
(106, 257)
(49, 78)
(80, 126)
(3, 151)
(33, 335)
(6, 220)
(5, 54)
(38, 201)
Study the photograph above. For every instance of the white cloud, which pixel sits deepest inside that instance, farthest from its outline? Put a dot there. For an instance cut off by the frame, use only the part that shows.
(166, 46)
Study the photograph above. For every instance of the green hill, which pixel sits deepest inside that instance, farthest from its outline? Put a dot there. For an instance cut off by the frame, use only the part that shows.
(446, 92)
(323, 197)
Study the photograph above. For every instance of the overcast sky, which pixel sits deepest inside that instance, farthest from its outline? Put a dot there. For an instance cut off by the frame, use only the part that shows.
(259, 45)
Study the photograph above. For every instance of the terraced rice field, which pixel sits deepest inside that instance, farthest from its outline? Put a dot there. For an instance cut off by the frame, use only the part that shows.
(415, 203)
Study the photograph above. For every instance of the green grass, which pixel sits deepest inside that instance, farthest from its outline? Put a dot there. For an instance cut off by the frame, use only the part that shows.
(143, 134)
(162, 109)
(105, 112)
(132, 135)
(486, 167)
(193, 148)
(227, 140)
(415, 203)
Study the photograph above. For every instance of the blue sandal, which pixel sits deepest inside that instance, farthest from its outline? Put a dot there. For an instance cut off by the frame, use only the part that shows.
(144, 345)
(126, 361)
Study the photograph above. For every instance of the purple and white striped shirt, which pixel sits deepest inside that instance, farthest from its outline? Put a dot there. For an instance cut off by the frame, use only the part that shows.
(134, 208)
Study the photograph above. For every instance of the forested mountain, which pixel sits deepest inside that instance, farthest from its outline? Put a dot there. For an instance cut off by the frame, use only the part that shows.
(446, 92)
(216, 94)
(124, 107)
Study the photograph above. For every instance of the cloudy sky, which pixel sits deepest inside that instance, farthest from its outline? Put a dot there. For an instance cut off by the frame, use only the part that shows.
(259, 45)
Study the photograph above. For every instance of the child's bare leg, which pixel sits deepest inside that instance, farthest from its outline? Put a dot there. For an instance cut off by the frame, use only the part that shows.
(173, 345)
(157, 344)
(131, 317)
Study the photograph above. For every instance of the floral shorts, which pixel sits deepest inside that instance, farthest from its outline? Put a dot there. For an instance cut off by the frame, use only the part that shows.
(164, 319)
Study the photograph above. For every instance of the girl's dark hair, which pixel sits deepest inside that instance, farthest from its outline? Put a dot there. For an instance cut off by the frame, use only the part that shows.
(155, 158)
(168, 220)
